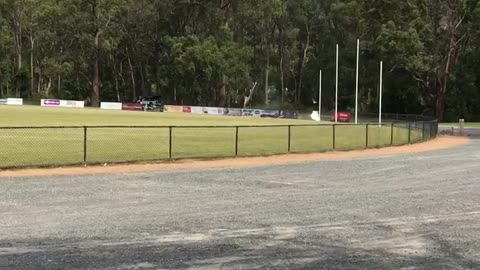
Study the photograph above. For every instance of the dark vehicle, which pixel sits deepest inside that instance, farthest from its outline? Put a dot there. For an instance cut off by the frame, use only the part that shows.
(153, 103)
(270, 114)
(289, 115)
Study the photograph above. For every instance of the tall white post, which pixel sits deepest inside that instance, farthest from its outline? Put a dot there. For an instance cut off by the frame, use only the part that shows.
(381, 93)
(336, 89)
(320, 96)
(356, 82)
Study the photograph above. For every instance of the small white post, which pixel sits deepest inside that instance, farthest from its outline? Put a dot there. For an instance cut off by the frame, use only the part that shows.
(461, 125)
(381, 90)
(336, 88)
(320, 96)
(356, 82)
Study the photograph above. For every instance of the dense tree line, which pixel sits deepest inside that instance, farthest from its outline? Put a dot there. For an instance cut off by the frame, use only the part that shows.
(210, 52)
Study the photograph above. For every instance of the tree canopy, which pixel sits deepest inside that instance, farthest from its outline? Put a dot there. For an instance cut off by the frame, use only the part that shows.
(211, 52)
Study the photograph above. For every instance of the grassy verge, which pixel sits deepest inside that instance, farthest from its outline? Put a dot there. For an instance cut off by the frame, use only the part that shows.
(63, 146)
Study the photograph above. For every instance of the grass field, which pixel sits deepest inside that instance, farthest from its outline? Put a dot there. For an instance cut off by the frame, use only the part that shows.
(62, 146)
(40, 116)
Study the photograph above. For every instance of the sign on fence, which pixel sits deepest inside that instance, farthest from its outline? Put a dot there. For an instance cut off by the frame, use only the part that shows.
(251, 112)
(232, 112)
(11, 101)
(342, 116)
(111, 106)
(62, 103)
(213, 110)
(132, 107)
(173, 109)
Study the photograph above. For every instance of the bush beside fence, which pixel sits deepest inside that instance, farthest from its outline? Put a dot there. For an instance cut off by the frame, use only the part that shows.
(59, 146)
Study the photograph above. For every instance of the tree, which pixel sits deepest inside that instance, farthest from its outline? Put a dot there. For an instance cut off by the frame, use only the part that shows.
(209, 52)
(100, 15)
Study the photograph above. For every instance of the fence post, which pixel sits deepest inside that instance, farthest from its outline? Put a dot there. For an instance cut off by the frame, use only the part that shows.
(409, 133)
(170, 139)
(236, 141)
(334, 133)
(366, 137)
(85, 144)
(391, 134)
(289, 138)
(423, 131)
(432, 130)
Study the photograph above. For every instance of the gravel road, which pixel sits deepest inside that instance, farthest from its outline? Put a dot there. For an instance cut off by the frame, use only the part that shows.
(415, 211)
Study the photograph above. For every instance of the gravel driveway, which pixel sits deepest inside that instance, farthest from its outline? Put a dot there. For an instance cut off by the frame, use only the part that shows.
(417, 211)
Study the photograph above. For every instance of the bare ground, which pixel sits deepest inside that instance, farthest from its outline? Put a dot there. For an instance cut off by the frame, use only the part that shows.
(399, 210)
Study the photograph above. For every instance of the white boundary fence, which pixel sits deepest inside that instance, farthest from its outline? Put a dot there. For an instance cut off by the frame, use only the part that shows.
(59, 103)
(62, 103)
(228, 111)
(11, 101)
(111, 106)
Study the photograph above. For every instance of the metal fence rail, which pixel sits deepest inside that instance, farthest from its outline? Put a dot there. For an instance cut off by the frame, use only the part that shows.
(71, 145)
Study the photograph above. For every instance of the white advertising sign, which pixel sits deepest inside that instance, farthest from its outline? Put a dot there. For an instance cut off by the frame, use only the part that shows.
(11, 101)
(62, 103)
(196, 110)
(111, 106)
(213, 111)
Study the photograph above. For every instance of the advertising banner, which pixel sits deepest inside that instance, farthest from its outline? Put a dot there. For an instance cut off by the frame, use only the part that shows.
(213, 110)
(14, 101)
(50, 103)
(232, 112)
(251, 112)
(196, 110)
(11, 101)
(62, 103)
(342, 116)
(111, 106)
(173, 109)
(132, 107)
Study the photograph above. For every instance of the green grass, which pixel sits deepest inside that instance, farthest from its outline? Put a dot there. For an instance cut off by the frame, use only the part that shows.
(63, 146)
(38, 116)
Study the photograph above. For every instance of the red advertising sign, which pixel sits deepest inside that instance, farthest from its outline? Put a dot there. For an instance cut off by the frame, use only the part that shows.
(132, 107)
(187, 109)
(342, 116)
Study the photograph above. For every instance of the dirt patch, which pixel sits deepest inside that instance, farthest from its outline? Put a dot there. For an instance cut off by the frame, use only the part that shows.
(437, 144)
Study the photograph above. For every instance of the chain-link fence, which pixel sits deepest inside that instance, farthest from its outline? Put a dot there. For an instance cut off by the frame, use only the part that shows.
(57, 146)
(457, 131)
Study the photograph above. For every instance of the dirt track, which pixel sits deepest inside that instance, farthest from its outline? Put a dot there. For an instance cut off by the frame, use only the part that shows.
(407, 211)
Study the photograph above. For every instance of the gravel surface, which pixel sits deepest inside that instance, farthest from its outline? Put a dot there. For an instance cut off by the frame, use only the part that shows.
(411, 211)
